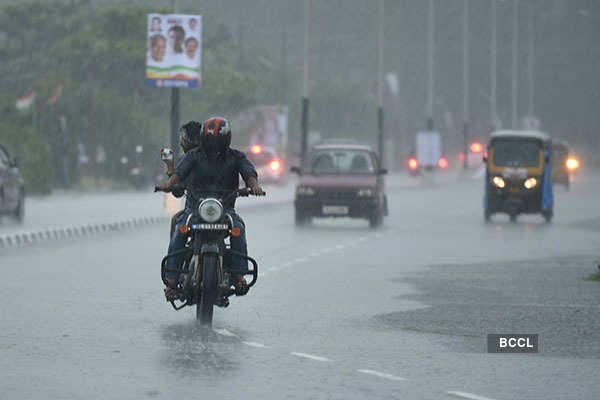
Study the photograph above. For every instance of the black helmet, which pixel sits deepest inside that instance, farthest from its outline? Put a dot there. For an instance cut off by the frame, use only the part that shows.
(216, 135)
(189, 134)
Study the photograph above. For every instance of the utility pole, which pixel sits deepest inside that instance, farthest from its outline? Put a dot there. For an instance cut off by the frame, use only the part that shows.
(493, 67)
(515, 63)
(174, 116)
(304, 139)
(466, 82)
(430, 61)
(380, 130)
(530, 57)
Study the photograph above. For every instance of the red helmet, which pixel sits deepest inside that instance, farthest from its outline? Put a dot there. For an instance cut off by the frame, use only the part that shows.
(216, 135)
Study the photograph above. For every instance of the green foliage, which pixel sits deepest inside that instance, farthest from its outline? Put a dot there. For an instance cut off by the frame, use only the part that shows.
(98, 55)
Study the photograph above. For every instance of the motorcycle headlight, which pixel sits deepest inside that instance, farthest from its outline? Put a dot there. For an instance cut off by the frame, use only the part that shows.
(530, 183)
(499, 182)
(365, 193)
(211, 210)
(305, 191)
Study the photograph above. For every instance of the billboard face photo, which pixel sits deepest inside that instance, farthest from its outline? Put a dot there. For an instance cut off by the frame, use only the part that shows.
(174, 50)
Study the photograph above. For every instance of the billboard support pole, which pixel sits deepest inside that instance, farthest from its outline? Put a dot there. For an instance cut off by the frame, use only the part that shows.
(174, 106)
(174, 118)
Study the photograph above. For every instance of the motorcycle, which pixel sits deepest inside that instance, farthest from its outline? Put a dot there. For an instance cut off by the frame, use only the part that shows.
(205, 277)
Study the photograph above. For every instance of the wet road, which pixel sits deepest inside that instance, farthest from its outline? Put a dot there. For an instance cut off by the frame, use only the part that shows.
(340, 311)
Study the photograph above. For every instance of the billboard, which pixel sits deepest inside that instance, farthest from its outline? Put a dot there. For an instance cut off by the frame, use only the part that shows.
(174, 50)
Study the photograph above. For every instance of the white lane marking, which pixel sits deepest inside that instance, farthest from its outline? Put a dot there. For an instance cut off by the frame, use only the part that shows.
(300, 260)
(380, 374)
(327, 250)
(314, 254)
(254, 344)
(310, 356)
(469, 396)
(225, 332)
(287, 263)
(340, 246)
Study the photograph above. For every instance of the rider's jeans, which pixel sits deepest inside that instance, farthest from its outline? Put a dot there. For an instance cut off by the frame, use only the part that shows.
(178, 240)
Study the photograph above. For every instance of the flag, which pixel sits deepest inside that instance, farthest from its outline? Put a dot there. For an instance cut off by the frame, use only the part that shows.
(56, 95)
(23, 103)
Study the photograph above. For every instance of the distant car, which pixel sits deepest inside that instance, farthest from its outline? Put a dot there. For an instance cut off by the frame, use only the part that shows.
(268, 163)
(12, 191)
(341, 180)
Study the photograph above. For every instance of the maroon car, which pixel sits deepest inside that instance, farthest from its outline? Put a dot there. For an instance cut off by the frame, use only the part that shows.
(341, 180)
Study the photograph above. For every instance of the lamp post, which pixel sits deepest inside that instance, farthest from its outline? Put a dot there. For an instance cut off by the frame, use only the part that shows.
(305, 103)
(465, 82)
(380, 130)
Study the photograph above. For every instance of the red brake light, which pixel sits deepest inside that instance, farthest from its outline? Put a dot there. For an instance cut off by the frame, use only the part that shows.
(413, 163)
(275, 165)
(476, 147)
(443, 163)
(256, 149)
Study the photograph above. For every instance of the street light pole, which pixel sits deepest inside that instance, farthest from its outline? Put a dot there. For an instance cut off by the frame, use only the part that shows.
(515, 63)
(530, 56)
(430, 60)
(305, 104)
(466, 82)
(493, 66)
(380, 130)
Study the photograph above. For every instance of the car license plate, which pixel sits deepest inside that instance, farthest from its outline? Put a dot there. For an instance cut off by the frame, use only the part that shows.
(335, 210)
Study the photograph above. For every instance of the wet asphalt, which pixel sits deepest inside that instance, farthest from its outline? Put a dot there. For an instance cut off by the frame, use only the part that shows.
(340, 311)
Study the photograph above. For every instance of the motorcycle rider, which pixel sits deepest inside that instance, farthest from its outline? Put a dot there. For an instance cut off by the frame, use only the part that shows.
(189, 138)
(212, 166)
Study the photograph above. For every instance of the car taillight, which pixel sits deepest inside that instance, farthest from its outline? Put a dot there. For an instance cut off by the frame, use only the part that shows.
(275, 165)
(443, 163)
(256, 149)
(413, 163)
(476, 147)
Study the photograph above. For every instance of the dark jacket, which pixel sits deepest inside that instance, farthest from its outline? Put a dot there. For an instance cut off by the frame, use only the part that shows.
(212, 176)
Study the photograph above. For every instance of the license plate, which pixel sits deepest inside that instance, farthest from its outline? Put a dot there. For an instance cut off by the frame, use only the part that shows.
(335, 210)
(219, 227)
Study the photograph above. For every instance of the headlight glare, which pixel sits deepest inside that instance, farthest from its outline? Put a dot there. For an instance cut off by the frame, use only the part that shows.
(499, 182)
(211, 210)
(530, 183)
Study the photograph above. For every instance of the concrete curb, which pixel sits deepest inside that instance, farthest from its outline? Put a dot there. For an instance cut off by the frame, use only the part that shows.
(46, 235)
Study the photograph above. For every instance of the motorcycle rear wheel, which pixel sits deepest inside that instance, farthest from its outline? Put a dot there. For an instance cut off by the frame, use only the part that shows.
(205, 305)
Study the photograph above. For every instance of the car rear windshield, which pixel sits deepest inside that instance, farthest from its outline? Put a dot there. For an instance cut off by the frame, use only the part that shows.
(335, 161)
(516, 153)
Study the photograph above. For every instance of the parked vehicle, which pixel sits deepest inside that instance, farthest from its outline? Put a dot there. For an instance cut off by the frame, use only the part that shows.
(517, 175)
(12, 189)
(269, 165)
(341, 180)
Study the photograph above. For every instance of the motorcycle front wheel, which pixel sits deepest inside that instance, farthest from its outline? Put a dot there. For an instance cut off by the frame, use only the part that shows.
(205, 305)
